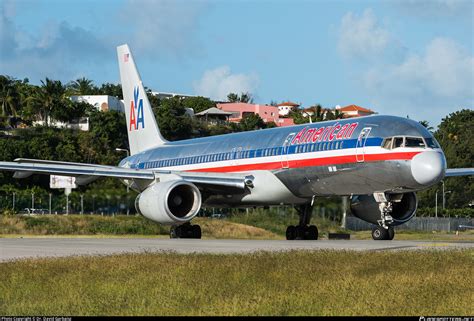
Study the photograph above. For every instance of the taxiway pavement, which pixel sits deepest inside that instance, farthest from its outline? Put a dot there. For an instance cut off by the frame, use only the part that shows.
(19, 248)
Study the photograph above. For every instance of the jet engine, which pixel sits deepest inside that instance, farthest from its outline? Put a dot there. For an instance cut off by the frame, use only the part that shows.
(366, 208)
(170, 202)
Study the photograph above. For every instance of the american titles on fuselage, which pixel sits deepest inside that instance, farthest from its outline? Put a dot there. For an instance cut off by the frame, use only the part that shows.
(136, 111)
(325, 133)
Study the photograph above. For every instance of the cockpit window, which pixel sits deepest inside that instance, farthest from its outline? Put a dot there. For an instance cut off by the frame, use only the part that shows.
(431, 143)
(387, 143)
(397, 142)
(410, 142)
(414, 142)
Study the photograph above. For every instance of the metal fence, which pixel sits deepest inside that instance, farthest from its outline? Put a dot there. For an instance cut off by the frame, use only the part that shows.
(416, 224)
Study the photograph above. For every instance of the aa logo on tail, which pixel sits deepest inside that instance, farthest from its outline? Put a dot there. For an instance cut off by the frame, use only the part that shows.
(136, 111)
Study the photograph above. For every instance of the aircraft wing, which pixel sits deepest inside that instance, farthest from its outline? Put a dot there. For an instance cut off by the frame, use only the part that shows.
(450, 172)
(86, 173)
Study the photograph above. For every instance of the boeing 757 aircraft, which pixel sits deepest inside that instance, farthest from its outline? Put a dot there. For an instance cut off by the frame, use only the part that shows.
(379, 161)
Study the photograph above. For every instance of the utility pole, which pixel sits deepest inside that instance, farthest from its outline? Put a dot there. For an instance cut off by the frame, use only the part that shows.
(344, 208)
(82, 204)
(13, 207)
(436, 204)
(50, 203)
(93, 204)
(32, 200)
(67, 191)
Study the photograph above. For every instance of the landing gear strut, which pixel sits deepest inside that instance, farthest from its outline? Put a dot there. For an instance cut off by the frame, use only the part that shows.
(185, 231)
(303, 231)
(384, 231)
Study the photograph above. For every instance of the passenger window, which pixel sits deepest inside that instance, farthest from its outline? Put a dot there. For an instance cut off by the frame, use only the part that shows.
(414, 142)
(397, 142)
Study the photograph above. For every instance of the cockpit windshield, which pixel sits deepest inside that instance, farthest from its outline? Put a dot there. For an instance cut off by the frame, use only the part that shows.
(410, 142)
(414, 142)
(432, 143)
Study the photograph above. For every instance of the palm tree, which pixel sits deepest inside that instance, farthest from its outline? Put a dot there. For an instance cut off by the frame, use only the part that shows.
(49, 99)
(82, 86)
(427, 125)
(9, 97)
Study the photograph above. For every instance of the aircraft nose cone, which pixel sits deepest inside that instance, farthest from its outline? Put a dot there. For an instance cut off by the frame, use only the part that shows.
(428, 168)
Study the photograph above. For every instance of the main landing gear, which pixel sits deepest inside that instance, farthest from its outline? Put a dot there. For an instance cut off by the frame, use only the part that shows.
(185, 231)
(303, 231)
(384, 231)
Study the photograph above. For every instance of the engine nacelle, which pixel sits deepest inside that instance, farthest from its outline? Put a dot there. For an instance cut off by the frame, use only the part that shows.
(366, 208)
(170, 202)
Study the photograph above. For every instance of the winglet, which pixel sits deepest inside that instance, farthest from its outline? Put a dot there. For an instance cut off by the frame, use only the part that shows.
(143, 131)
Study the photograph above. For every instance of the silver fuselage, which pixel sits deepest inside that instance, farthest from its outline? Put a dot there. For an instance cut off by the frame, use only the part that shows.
(292, 164)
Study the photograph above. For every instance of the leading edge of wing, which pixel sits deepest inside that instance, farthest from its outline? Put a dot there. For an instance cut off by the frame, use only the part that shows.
(29, 166)
(73, 169)
(450, 172)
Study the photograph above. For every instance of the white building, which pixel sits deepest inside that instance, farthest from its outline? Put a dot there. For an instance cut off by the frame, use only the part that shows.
(77, 124)
(101, 102)
(162, 95)
(286, 107)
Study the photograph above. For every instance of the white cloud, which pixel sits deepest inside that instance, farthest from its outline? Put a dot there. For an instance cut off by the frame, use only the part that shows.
(219, 82)
(436, 8)
(163, 26)
(62, 51)
(362, 36)
(58, 50)
(441, 80)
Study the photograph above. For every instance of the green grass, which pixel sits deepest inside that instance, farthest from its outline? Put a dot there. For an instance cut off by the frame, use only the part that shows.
(79, 225)
(286, 283)
(103, 226)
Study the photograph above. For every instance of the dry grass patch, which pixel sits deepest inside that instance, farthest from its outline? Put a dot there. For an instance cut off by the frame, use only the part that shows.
(220, 229)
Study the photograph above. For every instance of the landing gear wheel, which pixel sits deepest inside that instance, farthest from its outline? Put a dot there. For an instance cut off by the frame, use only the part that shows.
(303, 231)
(391, 233)
(185, 231)
(291, 232)
(311, 233)
(196, 231)
(300, 232)
(379, 233)
(174, 232)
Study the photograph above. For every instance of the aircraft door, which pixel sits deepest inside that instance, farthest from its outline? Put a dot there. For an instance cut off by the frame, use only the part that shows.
(360, 145)
(236, 155)
(285, 149)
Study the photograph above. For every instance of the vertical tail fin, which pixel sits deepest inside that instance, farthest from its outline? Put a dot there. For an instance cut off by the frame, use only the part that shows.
(143, 131)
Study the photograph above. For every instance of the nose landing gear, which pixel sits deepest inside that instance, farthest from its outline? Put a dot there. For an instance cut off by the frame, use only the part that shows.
(380, 233)
(384, 231)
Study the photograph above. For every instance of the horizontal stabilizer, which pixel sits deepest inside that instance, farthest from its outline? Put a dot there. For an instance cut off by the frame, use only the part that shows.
(450, 172)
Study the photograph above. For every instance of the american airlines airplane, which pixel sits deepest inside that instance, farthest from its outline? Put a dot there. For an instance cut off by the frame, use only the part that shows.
(379, 161)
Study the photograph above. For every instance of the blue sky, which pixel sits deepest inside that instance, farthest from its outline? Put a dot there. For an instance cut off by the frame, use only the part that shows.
(402, 58)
